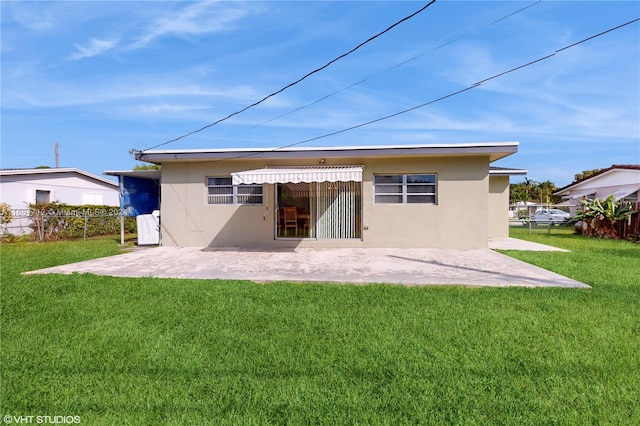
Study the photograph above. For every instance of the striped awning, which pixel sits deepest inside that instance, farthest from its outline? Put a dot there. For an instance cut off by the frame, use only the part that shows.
(298, 174)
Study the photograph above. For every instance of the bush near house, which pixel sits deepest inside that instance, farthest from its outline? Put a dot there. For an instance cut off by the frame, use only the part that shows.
(5, 216)
(608, 218)
(58, 221)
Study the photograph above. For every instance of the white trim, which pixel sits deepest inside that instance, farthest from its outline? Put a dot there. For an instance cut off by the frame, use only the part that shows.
(580, 194)
(495, 151)
(332, 148)
(298, 175)
(507, 172)
(623, 193)
(589, 180)
(142, 174)
(32, 172)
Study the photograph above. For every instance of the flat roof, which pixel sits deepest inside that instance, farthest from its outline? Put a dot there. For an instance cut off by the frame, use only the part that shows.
(506, 171)
(141, 174)
(495, 150)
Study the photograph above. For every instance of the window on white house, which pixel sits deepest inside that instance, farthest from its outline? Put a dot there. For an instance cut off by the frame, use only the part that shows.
(405, 189)
(221, 190)
(92, 198)
(43, 197)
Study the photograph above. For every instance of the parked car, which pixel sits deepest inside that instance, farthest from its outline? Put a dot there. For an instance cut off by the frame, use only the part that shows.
(554, 216)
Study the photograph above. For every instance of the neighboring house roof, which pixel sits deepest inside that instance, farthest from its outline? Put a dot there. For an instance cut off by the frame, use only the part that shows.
(495, 150)
(58, 170)
(565, 190)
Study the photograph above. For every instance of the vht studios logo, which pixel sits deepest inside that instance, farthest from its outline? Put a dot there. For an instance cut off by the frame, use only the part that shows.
(42, 420)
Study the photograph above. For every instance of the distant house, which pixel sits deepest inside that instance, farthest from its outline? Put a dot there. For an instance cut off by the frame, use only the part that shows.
(621, 181)
(429, 195)
(72, 186)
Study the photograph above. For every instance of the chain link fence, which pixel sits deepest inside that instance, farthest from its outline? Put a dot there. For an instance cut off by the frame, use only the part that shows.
(53, 221)
(540, 218)
(550, 219)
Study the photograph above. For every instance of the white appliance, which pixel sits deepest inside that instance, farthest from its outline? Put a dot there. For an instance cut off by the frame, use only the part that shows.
(148, 228)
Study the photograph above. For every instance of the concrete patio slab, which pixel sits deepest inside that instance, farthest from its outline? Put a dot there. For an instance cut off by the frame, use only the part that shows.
(517, 244)
(481, 267)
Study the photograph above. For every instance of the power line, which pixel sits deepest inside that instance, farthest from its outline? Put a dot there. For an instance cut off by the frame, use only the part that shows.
(406, 18)
(473, 86)
(398, 65)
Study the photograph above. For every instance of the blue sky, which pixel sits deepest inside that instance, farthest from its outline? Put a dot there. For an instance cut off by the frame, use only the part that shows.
(101, 78)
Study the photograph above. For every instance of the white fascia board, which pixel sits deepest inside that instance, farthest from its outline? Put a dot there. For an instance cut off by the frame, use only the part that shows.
(509, 172)
(495, 150)
(34, 172)
(143, 174)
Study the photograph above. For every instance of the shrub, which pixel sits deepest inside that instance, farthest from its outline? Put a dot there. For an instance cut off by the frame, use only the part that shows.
(56, 221)
(600, 218)
(5, 218)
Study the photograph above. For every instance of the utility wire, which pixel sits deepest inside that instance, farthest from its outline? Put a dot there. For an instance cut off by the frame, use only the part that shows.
(473, 86)
(371, 77)
(406, 18)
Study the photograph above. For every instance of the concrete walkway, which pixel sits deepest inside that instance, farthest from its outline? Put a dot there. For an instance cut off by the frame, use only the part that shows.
(479, 267)
(516, 244)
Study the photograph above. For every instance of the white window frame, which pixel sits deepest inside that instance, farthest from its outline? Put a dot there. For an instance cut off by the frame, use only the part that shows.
(235, 196)
(405, 185)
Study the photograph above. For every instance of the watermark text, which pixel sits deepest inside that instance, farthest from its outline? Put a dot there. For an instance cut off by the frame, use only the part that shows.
(62, 212)
(9, 419)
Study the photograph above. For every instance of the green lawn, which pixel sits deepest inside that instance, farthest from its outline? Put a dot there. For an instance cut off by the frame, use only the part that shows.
(161, 351)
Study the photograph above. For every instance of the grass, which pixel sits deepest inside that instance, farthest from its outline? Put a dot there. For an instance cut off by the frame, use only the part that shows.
(162, 351)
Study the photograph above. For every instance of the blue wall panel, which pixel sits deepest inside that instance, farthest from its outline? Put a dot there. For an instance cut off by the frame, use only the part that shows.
(141, 196)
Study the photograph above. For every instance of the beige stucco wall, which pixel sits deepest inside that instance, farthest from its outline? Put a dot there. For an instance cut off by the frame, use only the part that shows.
(498, 206)
(459, 220)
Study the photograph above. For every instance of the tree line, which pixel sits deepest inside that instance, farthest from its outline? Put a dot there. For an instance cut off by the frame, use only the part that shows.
(530, 190)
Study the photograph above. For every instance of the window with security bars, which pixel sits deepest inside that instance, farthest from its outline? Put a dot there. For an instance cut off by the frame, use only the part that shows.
(405, 189)
(221, 190)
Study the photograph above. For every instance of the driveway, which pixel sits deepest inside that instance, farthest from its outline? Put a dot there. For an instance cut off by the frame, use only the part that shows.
(479, 267)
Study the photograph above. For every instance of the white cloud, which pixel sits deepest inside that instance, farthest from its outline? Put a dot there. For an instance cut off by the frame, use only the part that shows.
(166, 108)
(36, 19)
(169, 88)
(93, 48)
(196, 19)
(200, 18)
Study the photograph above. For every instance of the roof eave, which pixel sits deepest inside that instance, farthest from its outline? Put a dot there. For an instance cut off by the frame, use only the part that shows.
(495, 151)
(24, 172)
(509, 172)
(566, 189)
(142, 174)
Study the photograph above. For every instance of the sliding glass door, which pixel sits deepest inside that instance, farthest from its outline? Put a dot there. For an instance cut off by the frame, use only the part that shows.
(319, 210)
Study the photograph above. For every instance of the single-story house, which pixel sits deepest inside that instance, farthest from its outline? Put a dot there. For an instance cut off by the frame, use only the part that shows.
(430, 195)
(21, 187)
(620, 180)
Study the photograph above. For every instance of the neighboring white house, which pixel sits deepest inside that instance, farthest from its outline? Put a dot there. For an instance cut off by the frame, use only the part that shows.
(72, 186)
(621, 181)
